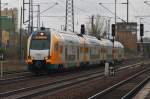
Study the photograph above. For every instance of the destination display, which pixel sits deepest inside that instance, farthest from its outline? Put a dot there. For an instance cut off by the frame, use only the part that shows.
(40, 36)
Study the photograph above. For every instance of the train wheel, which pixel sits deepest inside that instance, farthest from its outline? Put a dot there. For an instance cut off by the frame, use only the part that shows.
(33, 70)
(60, 68)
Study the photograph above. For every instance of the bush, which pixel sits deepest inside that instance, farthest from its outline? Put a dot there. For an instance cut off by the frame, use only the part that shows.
(2, 51)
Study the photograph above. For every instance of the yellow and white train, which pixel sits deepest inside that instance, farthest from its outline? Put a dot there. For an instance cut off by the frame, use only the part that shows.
(49, 50)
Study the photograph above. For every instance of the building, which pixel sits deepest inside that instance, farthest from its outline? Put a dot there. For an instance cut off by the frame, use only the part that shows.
(127, 35)
(13, 14)
(9, 25)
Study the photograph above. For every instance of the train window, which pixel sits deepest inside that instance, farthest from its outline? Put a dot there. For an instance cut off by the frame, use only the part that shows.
(40, 44)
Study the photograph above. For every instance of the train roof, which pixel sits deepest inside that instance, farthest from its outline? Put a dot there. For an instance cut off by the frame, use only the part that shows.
(91, 40)
(106, 42)
(74, 39)
(118, 44)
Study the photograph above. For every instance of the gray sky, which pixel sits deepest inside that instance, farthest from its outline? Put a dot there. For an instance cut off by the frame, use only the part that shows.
(85, 8)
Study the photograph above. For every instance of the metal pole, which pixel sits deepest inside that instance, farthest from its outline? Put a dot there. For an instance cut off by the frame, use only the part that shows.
(92, 23)
(66, 16)
(31, 16)
(13, 25)
(127, 11)
(38, 16)
(0, 25)
(73, 15)
(115, 27)
(108, 27)
(69, 24)
(115, 11)
(112, 68)
(29, 26)
(1, 69)
(21, 35)
(142, 45)
(23, 11)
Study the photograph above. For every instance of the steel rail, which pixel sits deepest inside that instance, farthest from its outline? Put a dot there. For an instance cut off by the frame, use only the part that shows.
(108, 90)
(23, 78)
(59, 84)
(135, 90)
(15, 79)
(8, 75)
(54, 85)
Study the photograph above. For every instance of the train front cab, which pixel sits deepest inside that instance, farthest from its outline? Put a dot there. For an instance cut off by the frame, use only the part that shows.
(38, 50)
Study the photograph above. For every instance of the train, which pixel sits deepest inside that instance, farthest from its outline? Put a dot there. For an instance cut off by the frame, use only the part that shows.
(52, 50)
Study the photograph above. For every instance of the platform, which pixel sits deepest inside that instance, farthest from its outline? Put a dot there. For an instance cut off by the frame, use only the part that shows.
(144, 93)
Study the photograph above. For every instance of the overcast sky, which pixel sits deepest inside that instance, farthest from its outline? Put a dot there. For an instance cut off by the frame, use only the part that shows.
(85, 8)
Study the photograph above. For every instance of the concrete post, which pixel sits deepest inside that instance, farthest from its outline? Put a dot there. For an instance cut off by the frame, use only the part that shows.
(106, 69)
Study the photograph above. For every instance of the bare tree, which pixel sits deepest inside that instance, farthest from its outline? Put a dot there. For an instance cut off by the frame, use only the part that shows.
(97, 27)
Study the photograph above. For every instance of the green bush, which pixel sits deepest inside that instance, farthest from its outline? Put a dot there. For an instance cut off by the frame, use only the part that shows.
(2, 50)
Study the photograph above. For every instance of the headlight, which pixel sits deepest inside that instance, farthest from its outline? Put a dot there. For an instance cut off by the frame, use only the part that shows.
(45, 58)
(29, 60)
(29, 57)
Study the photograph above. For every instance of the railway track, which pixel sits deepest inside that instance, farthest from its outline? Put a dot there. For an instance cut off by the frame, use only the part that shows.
(34, 91)
(136, 89)
(27, 76)
(43, 88)
(14, 74)
(30, 76)
(23, 76)
(125, 89)
(16, 79)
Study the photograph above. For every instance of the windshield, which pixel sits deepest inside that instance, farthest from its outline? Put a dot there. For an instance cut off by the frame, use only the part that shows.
(40, 44)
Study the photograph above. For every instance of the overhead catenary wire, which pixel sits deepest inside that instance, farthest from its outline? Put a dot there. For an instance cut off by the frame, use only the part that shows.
(83, 10)
(44, 11)
(49, 8)
(131, 5)
(112, 12)
(76, 11)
